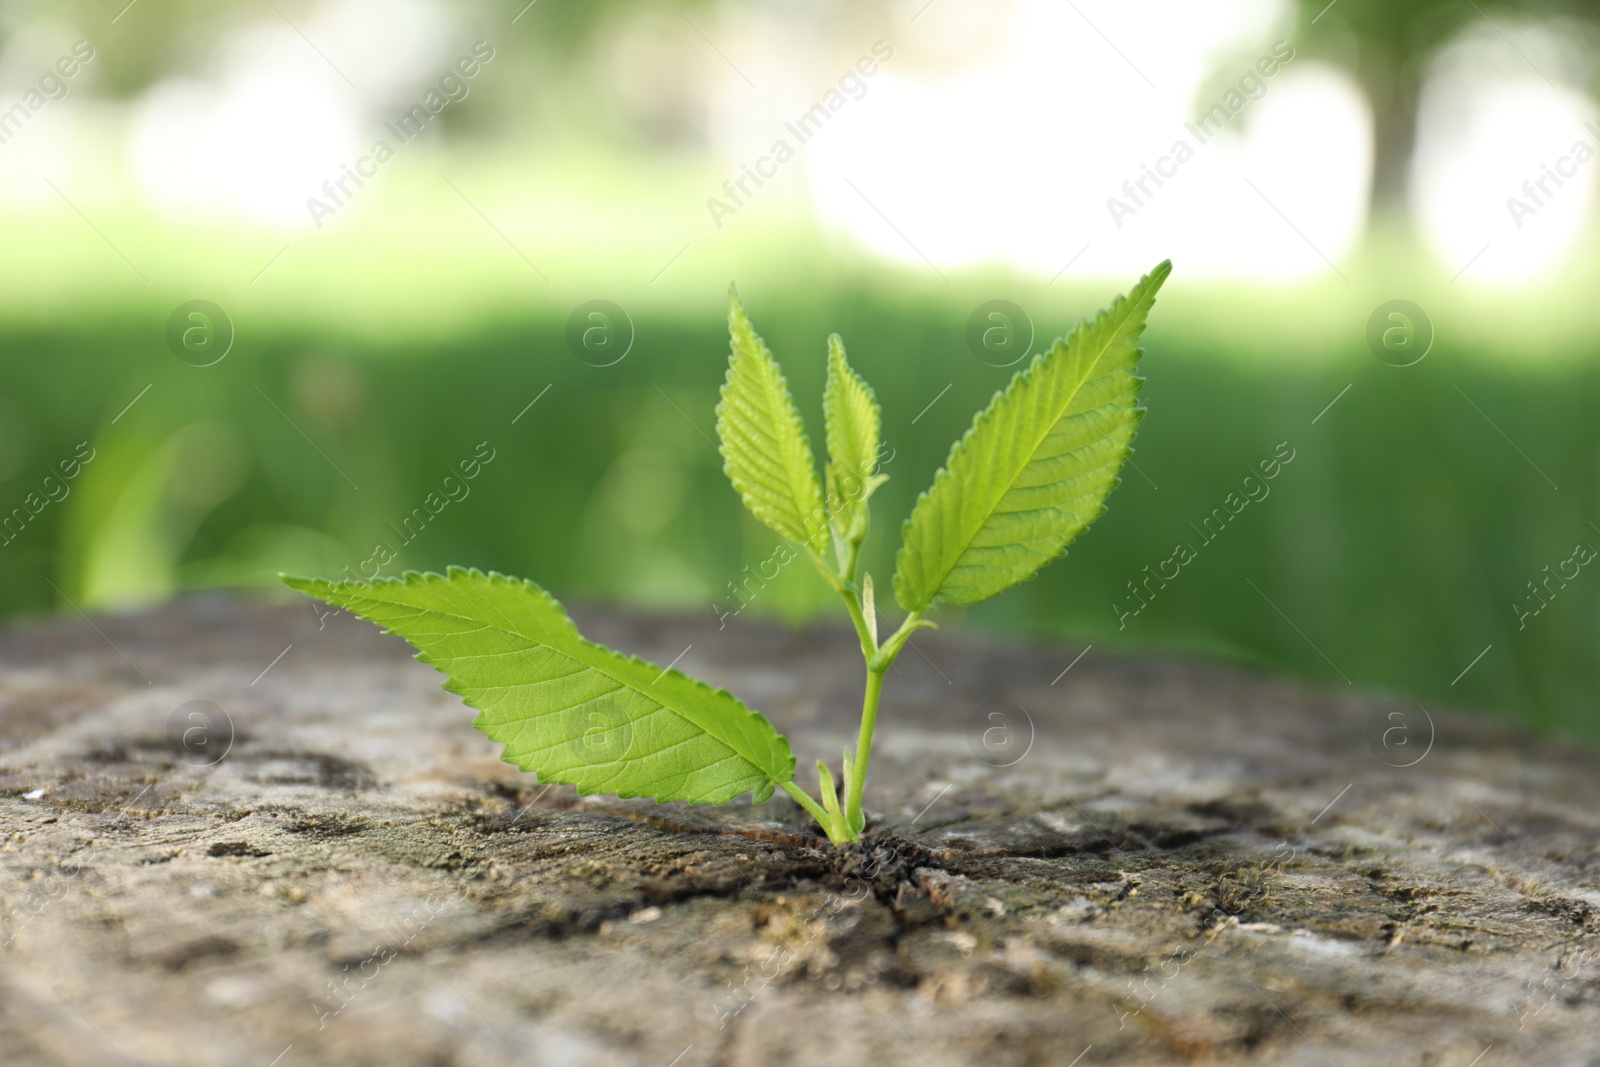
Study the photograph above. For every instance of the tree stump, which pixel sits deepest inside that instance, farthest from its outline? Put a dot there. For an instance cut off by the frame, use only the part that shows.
(1134, 860)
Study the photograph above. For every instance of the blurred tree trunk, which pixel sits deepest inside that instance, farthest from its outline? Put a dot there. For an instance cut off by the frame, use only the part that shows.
(1393, 82)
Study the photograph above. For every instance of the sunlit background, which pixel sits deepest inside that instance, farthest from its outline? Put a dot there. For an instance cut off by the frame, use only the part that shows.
(879, 168)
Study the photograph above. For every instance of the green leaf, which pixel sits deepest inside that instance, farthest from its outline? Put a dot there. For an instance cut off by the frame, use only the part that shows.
(566, 708)
(854, 425)
(765, 450)
(1036, 466)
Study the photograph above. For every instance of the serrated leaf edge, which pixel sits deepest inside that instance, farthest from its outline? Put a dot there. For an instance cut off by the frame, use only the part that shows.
(315, 586)
(817, 532)
(988, 412)
(840, 372)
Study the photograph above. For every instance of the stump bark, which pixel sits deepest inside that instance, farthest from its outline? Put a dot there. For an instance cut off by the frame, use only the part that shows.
(1142, 861)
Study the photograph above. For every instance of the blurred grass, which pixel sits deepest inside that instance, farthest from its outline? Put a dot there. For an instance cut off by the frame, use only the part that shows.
(373, 358)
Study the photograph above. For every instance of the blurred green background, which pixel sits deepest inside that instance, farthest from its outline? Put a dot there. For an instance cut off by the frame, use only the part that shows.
(411, 331)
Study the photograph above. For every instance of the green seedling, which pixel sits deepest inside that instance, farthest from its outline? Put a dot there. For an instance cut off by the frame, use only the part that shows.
(1032, 473)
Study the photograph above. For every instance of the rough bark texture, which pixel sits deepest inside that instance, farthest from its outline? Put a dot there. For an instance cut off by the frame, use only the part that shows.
(1188, 863)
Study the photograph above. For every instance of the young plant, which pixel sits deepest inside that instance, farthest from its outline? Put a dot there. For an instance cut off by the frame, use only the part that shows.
(1030, 474)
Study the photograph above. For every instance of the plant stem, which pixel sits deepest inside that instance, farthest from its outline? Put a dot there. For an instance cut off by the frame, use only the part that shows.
(869, 719)
(879, 659)
(803, 798)
(852, 560)
(852, 604)
(878, 664)
(846, 588)
(828, 575)
(886, 654)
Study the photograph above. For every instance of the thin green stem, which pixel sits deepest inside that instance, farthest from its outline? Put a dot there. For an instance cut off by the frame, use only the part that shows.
(827, 572)
(803, 798)
(853, 539)
(887, 652)
(852, 601)
(869, 720)
(851, 562)
(841, 826)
